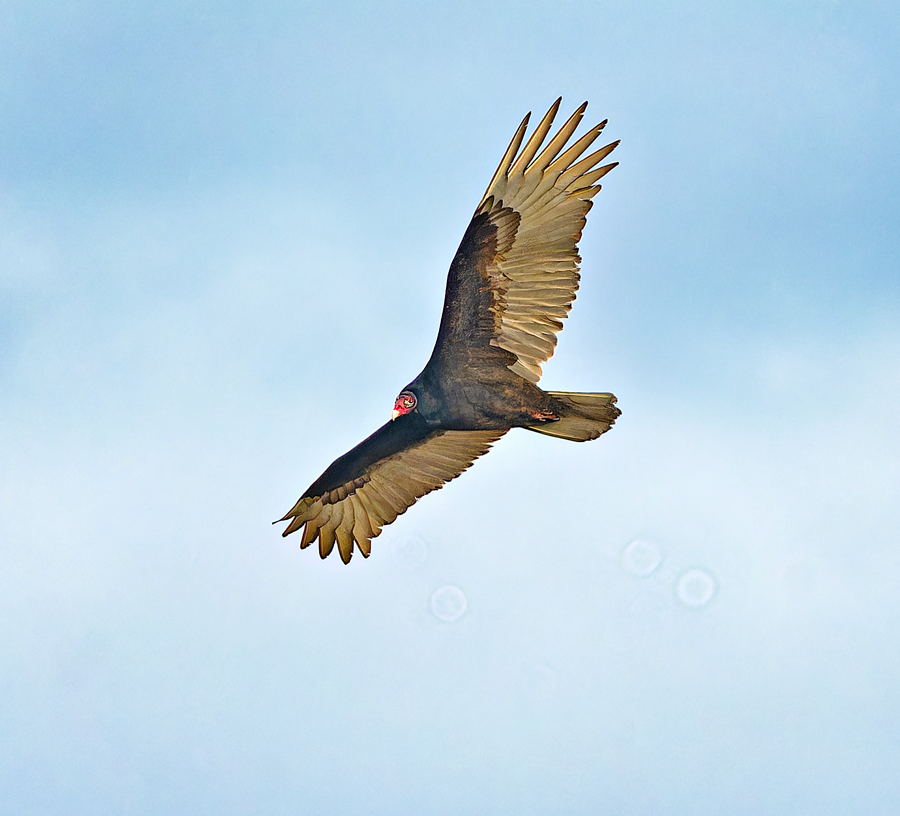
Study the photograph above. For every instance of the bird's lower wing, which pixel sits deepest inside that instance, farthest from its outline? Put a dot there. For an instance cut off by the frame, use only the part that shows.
(374, 483)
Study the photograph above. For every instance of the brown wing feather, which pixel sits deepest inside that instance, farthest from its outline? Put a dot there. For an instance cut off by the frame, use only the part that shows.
(536, 275)
(356, 511)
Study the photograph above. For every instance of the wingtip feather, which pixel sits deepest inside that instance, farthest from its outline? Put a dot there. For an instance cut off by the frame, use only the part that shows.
(535, 141)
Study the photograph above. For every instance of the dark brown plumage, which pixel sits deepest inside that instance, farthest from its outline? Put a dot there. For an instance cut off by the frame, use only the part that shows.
(510, 285)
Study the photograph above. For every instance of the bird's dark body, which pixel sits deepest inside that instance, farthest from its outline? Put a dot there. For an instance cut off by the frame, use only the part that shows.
(467, 383)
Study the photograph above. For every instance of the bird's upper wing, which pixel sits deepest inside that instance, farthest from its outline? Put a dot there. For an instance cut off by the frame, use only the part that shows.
(518, 261)
(379, 479)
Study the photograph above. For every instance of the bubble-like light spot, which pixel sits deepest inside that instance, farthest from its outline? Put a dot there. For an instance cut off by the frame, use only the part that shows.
(641, 557)
(696, 588)
(448, 603)
(409, 552)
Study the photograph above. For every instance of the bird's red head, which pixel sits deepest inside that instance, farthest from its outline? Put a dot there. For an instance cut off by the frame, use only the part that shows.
(405, 402)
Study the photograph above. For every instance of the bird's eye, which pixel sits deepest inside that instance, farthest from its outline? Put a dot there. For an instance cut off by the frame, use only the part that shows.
(408, 402)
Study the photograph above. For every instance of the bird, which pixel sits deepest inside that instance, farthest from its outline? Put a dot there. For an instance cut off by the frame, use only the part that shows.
(510, 285)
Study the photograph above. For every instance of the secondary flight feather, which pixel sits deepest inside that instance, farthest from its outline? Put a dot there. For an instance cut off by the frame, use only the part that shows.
(511, 284)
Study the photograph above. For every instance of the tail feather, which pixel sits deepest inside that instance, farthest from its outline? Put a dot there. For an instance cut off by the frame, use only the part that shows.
(581, 416)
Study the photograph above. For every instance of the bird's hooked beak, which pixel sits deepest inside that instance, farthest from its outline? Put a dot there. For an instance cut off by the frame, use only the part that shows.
(394, 414)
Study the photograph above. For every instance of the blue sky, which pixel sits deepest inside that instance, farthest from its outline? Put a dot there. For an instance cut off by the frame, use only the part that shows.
(224, 235)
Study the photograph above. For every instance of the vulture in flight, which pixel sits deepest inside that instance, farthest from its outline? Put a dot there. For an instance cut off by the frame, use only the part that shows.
(510, 285)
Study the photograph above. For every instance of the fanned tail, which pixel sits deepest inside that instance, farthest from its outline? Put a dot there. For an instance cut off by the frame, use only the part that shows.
(581, 416)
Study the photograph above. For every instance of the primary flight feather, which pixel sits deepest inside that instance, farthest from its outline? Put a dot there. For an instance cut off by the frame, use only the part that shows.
(510, 285)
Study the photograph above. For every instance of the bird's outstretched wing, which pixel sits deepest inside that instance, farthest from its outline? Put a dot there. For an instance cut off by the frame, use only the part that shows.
(518, 261)
(379, 479)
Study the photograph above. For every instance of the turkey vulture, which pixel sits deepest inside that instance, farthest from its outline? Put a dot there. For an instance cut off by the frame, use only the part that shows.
(510, 285)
